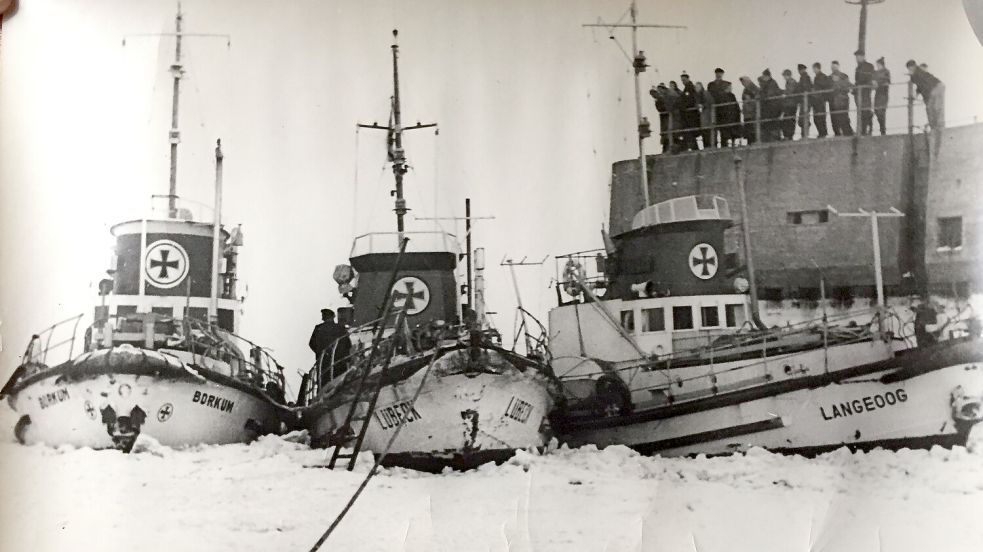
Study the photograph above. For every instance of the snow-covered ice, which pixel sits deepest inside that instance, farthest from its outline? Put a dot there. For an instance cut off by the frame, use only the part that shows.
(262, 497)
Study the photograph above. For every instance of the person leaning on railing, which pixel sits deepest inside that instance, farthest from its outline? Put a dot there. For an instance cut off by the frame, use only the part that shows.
(771, 107)
(932, 91)
(749, 99)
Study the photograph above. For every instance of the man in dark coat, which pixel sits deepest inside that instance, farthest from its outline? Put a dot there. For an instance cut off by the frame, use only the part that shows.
(716, 89)
(822, 88)
(864, 79)
(790, 105)
(728, 117)
(839, 113)
(659, 94)
(805, 101)
(839, 104)
(690, 112)
(330, 342)
(750, 108)
(932, 91)
(771, 107)
(882, 82)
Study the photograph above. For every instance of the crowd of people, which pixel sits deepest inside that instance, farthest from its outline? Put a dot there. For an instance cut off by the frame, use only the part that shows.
(691, 115)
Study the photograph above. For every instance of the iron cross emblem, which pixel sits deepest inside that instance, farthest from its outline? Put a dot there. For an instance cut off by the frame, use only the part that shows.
(703, 261)
(167, 264)
(411, 292)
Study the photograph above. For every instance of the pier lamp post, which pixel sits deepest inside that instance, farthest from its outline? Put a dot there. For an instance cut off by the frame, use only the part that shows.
(862, 40)
(875, 236)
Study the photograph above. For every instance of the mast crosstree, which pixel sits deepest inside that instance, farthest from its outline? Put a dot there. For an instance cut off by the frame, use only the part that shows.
(638, 62)
(395, 130)
(177, 73)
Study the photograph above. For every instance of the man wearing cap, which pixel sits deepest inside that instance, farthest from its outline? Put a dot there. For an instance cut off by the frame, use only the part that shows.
(882, 81)
(864, 79)
(689, 110)
(330, 344)
(717, 88)
(822, 87)
(790, 105)
(932, 91)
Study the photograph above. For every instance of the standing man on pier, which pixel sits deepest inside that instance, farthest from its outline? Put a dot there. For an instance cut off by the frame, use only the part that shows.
(864, 79)
(932, 91)
(822, 87)
(882, 82)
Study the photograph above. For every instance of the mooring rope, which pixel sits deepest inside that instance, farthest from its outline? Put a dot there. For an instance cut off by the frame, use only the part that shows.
(378, 462)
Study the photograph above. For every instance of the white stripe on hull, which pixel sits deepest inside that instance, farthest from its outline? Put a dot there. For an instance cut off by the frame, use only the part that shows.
(454, 413)
(852, 412)
(179, 412)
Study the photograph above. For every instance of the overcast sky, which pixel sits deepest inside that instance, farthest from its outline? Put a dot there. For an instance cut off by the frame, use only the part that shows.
(532, 108)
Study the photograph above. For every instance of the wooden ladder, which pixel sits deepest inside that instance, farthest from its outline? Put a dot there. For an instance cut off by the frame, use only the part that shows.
(370, 408)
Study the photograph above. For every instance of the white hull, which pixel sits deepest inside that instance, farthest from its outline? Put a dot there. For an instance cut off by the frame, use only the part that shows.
(860, 412)
(117, 393)
(477, 414)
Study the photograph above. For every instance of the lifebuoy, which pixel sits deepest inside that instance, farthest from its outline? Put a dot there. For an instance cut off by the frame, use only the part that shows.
(573, 278)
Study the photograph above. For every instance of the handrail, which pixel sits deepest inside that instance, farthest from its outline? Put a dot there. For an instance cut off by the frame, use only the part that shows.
(255, 363)
(749, 124)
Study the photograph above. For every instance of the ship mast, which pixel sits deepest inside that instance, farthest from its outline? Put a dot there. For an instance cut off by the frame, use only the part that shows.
(177, 72)
(639, 64)
(174, 136)
(395, 130)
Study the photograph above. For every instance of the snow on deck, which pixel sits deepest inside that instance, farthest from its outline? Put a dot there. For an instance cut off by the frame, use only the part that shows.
(260, 497)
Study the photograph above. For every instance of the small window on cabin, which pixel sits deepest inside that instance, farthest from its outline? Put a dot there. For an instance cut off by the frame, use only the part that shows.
(734, 315)
(653, 320)
(628, 321)
(820, 216)
(950, 232)
(709, 317)
(682, 318)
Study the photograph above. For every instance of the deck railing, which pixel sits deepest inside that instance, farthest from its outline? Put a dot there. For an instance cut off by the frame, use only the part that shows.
(202, 341)
(753, 126)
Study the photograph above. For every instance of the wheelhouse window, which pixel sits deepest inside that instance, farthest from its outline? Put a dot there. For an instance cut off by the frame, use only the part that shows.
(950, 233)
(682, 318)
(734, 315)
(628, 320)
(709, 317)
(653, 320)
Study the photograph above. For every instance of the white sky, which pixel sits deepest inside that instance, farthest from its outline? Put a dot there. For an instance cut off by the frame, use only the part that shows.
(532, 109)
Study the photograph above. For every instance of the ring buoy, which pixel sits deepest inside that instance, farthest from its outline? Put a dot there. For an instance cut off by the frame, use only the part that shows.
(573, 278)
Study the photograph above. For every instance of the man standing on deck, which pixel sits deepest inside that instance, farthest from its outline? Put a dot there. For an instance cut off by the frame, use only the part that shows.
(329, 341)
(805, 100)
(690, 112)
(790, 105)
(771, 107)
(864, 79)
(932, 91)
(882, 82)
(717, 88)
(822, 86)
(839, 103)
